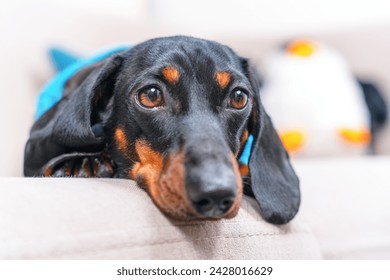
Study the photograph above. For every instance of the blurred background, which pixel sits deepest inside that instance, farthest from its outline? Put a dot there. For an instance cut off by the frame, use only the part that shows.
(358, 30)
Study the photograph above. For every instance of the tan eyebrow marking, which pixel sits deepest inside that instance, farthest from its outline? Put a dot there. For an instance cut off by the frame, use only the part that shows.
(121, 140)
(223, 79)
(171, 74)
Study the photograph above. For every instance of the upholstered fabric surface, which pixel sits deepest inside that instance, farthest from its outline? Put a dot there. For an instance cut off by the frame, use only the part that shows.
(344, 214)
(114, 219)
(346, 202)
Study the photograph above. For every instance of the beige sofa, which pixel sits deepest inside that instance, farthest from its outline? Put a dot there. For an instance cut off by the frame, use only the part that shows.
(344, 215)
(345, 201)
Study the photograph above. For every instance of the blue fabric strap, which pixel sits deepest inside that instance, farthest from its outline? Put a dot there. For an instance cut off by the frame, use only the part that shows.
(53, 90)
(61, 58)
(246, 153)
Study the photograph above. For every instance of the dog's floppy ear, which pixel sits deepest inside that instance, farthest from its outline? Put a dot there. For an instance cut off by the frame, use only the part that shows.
(76, 122)
(80, 119)
(273, 180)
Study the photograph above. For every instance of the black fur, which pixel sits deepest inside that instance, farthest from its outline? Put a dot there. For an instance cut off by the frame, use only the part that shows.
(196, 117)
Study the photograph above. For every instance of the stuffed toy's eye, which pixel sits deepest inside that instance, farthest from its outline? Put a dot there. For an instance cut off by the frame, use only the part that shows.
(150, 97)
(238, 99)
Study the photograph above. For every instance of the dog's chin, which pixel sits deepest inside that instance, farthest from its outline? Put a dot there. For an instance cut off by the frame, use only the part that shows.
(193, 216)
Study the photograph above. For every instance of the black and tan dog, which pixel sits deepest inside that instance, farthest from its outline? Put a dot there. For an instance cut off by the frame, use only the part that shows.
(173, 114)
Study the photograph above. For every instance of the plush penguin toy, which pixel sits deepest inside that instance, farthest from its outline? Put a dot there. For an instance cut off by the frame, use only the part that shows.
(318, 107)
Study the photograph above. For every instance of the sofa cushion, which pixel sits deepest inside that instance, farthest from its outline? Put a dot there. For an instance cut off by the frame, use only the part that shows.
(47, 218)
(345, 201)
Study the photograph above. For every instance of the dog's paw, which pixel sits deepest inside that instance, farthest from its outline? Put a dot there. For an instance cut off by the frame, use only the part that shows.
(79, 165)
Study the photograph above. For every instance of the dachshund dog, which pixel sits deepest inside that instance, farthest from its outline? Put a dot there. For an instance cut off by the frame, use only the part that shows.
(174, 115)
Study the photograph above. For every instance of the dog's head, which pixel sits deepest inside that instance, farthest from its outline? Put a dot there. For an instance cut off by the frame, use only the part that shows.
(176, 113)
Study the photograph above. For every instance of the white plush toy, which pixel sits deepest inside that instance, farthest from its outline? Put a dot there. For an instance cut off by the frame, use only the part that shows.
(318, 107)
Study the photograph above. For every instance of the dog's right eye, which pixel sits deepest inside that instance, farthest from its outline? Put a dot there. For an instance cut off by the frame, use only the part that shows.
(238, 99)
(150, 97)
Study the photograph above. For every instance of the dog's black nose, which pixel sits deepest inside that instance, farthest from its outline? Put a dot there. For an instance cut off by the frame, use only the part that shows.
(215, 203)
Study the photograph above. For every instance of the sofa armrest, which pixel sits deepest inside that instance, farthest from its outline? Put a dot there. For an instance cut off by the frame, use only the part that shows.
(48, 218)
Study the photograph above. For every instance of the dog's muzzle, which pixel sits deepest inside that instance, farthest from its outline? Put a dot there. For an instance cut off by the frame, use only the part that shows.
(212, 181)
(211, 189)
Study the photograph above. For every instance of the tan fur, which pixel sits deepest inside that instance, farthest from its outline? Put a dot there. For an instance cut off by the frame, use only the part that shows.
(121, 140)
(171, 74)
(223, 79)
(237, 202)
(165, 183)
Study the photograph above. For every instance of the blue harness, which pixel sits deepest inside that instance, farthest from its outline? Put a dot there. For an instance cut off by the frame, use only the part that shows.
(68, 65)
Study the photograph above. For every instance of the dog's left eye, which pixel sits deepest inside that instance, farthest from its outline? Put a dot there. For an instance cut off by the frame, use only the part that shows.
(150, 97)
(238, 99)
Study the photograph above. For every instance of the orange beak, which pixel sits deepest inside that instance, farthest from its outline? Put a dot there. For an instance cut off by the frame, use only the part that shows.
(302, 48)
(355, 136)
(292, 140)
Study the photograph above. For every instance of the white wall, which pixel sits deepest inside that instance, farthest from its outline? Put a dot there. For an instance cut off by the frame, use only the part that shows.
(270, 16)
(230, 17)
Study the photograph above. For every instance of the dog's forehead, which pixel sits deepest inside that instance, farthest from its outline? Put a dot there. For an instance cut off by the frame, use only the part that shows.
(186, 54)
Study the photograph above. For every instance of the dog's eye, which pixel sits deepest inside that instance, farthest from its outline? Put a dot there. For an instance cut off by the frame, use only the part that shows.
(150, 97)
(238, 99)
